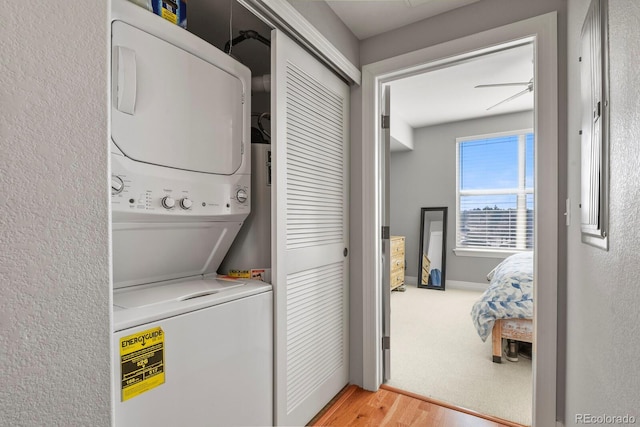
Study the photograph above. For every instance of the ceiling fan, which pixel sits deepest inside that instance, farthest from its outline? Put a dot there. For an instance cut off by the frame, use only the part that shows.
(529, 88)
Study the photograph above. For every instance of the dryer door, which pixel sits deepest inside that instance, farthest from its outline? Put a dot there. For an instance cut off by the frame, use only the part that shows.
(171, 108)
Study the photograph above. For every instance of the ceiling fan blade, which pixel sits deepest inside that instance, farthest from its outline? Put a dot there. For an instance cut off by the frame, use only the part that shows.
(512, 97)
(503, 84)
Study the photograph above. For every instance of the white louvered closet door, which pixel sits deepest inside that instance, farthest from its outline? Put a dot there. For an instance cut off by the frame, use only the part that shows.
(310, 208)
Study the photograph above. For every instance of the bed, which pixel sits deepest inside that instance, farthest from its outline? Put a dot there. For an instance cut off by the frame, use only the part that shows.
(505, 310)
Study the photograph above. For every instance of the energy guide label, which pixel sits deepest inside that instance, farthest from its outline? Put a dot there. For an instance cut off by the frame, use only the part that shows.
(141, 362)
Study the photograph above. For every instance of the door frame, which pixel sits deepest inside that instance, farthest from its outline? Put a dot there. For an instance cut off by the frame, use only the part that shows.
(542, 31)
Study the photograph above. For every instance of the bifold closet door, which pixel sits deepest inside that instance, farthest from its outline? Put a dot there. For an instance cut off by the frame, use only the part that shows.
(310, 238)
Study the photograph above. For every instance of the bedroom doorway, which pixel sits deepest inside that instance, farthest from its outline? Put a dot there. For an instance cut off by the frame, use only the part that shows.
(541, 31)
(470, 144)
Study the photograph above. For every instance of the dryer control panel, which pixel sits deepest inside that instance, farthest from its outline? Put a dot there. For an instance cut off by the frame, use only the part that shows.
(150, 189)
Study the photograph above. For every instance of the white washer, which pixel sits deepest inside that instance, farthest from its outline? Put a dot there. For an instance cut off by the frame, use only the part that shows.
(189, 348)
(217, 354)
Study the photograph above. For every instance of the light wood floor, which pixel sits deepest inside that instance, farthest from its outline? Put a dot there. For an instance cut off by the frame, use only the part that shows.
(392, 407)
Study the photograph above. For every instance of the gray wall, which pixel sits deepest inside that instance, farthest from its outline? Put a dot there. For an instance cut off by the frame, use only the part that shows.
(209, 20)
(470, 19)
(452, 25)
(426, 177)
(356, 259)
(55, 367)
(321, 16)
(603, 335)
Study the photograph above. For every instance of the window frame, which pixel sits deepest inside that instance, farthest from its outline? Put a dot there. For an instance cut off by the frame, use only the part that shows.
(595, 117)
(490, 252)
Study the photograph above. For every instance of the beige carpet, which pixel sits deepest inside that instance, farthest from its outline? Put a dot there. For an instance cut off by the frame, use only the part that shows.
(436, 352)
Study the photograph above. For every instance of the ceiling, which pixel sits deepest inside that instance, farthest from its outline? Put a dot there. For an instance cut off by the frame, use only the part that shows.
(449, 94)
(369, 18)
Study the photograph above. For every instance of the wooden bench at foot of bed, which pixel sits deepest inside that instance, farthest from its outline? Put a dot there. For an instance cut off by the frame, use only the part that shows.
(513, 329)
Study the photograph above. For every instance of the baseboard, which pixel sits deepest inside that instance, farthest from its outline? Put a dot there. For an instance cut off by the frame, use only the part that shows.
(467, 286)
(453, 284)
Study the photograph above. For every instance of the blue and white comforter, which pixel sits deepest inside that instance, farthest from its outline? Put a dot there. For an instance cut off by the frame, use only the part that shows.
(510, 294)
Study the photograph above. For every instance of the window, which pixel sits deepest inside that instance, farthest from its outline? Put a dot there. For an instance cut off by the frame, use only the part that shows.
(495, 182)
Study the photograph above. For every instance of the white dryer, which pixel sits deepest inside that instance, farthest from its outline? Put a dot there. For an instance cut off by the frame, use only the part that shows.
(190, 348)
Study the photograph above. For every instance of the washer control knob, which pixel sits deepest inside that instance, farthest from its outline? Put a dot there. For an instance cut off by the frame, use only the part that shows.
(241, 195)
(186, 203)
(168, 202)
(116, 185)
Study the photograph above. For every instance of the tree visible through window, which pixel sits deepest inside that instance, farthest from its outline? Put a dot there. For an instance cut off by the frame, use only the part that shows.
(495, 191)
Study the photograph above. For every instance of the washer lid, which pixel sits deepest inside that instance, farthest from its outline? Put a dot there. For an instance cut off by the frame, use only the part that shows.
(172, 108)
(141, 305)
(172, 292)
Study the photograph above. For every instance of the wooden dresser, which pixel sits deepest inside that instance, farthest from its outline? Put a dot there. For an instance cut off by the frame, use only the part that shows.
(397, 261)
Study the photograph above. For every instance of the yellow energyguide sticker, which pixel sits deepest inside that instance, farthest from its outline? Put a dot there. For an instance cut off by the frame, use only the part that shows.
(242, 274)
(169, 15)
(141, 362)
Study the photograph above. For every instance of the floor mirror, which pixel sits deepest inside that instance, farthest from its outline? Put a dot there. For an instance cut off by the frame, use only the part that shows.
(433, 248)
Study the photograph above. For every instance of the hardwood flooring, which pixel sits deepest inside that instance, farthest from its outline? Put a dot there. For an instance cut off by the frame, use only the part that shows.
(392, 407)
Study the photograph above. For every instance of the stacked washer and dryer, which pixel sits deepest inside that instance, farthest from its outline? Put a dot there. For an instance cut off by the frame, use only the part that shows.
(190, 348)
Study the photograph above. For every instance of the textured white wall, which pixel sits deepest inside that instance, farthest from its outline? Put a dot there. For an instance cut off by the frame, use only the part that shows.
(426, 177)
(54, 269)
(603, 320)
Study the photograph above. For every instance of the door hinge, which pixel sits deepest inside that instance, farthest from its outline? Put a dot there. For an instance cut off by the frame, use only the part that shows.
(386, 343)
(385, 232)
(242, 148)
(386, 122)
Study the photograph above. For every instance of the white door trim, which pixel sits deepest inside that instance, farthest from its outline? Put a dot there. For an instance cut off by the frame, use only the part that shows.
(542, 30)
